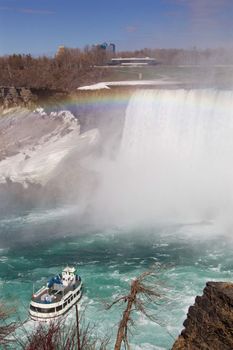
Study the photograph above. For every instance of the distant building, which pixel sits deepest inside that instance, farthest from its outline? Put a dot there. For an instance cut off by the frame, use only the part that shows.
(133, 61)
(60, 51)
(108, 47)
(112, 47)
(103, 45)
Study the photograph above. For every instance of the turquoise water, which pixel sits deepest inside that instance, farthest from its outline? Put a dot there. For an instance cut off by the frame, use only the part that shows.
(107, 260)
(173, 170)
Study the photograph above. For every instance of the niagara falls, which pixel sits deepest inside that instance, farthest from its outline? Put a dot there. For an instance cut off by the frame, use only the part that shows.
(116, 175)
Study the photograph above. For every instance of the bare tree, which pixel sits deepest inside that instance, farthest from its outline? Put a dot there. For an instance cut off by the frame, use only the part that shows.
(62, 334)
(7, 328)
(80, 334)
(141, 292)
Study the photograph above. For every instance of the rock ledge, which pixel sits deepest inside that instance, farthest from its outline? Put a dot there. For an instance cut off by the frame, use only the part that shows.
(209, 323)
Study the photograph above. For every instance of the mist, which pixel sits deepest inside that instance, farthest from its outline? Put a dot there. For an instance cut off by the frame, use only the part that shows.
(165, 156)
(174, 161)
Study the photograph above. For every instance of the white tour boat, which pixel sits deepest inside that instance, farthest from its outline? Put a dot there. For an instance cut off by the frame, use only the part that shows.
(55, 299)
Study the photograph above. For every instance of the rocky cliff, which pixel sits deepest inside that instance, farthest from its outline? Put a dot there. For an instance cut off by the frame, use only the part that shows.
(209, 323)
(13, 97)
(26, 97)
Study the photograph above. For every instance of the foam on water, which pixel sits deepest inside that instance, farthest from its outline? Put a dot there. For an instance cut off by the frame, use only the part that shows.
(160, 198)
(108, 262)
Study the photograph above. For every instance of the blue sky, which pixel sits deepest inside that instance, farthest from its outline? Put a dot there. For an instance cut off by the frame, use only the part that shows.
(40, 26)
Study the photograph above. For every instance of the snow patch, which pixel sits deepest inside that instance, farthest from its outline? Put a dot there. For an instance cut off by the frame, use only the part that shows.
(98, 86)
(107, 85)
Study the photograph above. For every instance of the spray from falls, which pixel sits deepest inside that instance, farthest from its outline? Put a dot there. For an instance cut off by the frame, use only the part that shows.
(175, 160)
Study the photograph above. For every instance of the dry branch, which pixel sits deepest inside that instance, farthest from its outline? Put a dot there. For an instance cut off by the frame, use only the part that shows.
(141, 292)
(6, 328)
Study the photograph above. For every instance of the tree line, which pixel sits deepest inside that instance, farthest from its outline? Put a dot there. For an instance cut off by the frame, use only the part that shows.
(73, 67)
(65, 71)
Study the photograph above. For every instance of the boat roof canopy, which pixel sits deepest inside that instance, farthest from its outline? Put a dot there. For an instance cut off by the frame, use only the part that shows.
(69, 269)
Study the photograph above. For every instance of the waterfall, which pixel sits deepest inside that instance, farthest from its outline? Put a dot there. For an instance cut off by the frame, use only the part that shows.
(175, 158)
(187, 125)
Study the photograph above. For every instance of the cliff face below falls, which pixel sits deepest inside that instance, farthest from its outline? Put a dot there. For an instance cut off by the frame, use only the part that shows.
(42, 156)
(209, 323)
(26, 97)
(44, 152)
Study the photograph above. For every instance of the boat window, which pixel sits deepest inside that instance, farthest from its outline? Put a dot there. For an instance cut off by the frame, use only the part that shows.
(33, 308)
(65, 304)
(58, 308)
(44, 311)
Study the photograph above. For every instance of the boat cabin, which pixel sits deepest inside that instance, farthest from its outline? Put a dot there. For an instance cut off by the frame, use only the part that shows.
(68, 276)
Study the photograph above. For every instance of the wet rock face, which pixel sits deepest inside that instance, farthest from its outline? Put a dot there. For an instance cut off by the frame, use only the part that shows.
(28, 97)
(13, 97)
(209, 323)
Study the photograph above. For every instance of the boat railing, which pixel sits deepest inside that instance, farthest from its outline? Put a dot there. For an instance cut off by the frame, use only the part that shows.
(36, 295)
